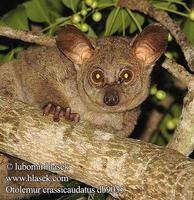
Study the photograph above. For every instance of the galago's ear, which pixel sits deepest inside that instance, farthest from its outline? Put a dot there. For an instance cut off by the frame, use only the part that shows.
(74, 44)
(150, 43)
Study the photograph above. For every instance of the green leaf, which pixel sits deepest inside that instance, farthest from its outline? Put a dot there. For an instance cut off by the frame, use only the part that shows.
(16, 18)
(127, 19)
(3, 47)
(91, 32)
(7, 57)
(113, 21)
(161, 3)
(140, 18)
(104, 2)
(55, 5)
(117, 25)
(37, 10)
(188, 29)
(10, 55)
(55, 8)
(18, 49)
(72, 4)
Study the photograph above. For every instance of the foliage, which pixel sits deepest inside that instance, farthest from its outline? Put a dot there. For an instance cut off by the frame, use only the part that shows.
(104, 18)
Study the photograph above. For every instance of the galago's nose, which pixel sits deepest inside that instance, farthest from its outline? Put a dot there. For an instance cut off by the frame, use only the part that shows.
(111, 97)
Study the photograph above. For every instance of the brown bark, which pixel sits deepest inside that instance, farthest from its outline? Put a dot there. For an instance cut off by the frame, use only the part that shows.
(178, 71)
(27, 36)
(183, 138)
(96, 157)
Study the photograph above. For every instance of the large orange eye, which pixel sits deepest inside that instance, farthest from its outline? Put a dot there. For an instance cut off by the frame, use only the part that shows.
(126, 75)
(97, 76)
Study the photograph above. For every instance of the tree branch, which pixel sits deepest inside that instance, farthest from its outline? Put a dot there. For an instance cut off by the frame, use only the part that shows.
(27, 36)
(183, 138)
(162, 17)
(178, 71)
(95, 157)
